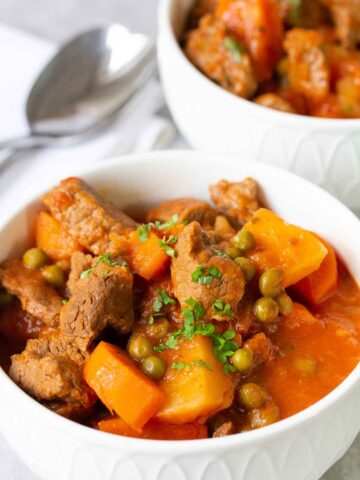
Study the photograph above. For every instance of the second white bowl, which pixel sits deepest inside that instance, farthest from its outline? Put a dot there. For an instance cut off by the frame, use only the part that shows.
(325, 151)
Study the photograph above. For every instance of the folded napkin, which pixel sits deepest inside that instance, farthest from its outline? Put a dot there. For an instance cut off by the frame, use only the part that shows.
(137, 127)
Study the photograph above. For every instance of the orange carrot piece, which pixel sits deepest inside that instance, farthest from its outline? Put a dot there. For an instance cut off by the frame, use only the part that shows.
(121, 386)
(319, 284)
(299, 316)
(278, 244)
(148, 259)
(154, 430)
(53, 239)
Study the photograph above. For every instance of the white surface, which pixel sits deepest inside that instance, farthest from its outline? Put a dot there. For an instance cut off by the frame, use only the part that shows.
(55, 20)
(301, 447)
(325, 151)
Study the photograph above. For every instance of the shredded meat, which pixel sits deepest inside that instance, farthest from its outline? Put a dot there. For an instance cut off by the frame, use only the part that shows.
(206, 49)
(93, 221)
(187, 210)
(195, 249)
(237, 200)
(37, 297)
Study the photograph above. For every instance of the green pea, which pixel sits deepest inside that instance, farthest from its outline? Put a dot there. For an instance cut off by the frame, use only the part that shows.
(306, 366)
(268, 414)
(54, 275)
(247, 268)
(5, 298)
(243, 240)
(154, 367)
(252, 395)
(35, 258)
(159, 329)
(270, 282)
(285, 304)
(233, 252)
(266, 310)
(139, 348)
(242, 360)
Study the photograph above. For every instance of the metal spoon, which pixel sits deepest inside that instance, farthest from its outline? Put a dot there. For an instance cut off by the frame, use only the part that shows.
(85, 83)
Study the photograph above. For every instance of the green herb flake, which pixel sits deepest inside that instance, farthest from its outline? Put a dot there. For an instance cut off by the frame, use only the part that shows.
(64, 301)
(107, 260)
(295, 12)
(235, 48)
(165, 245)
(143, 232)
(221, 309)
(196, 363)
(165, 298)
(205, 276)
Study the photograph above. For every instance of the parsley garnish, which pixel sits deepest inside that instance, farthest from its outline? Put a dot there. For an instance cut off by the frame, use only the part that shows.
(236, 49)
(103, 259)
(64, 301)
(165, 245)
(162, 299)
(196, 363)
(204, 276)
(294, 11)
(223, 345)
(224, 310)
(144, 229)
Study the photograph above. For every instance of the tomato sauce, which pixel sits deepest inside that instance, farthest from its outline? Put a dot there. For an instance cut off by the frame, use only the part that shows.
(330, 343)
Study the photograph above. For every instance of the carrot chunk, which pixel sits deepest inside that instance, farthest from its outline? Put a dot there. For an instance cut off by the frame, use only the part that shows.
(148, 259)
(154, 430)
(278, 244)
(53, 239)
(121, 386)
(319, 284)
(196, 391)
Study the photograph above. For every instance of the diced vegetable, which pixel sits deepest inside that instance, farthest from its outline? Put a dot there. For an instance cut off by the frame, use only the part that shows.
(121, 386)
(299, 316)
(154, 430)
(53, 239)
(319, 284)
(278, 244)
(200, 389)
(148, 258)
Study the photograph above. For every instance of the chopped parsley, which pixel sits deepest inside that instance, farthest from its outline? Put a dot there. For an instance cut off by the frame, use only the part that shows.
(144, 229)
(223, 345)
(104, 259)
(64, 301)
(224, 310)
(294, 11)
(162, 299)
(165, 244)
(205, 275)
(235, 48)
(196, 363)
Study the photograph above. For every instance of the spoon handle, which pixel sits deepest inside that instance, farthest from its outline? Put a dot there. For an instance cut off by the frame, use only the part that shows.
(26, 142)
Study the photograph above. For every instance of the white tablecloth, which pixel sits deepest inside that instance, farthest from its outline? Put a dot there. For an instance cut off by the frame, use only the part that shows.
(55, 20)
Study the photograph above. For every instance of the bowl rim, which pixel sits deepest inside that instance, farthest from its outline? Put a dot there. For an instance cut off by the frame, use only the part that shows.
(167, 34)
(340, 393)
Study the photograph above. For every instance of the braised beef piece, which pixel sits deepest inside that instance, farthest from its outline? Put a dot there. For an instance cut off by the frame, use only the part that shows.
(187, 210)
(79, 263)
(71, 409)
(195, 249)
(262, 348)
(237, 200)
(103, 297)
(92, 220)
(304, 14)
(37, 297)
(346, 17)
(58, 346)
(49, 377)
(227, 428)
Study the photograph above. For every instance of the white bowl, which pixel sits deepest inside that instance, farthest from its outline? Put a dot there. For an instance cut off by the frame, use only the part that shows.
(325, 151)
(298, 448)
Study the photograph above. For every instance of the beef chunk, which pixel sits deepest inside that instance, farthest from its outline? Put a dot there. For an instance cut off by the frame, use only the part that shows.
(93, 221)
(102, 298)
(206, 48)
(57, 346)
(36, 296)
(79, 263)
(187, 209)
(195, 249)
(73, 409)
(304, 14)
(238, 200)
(49, 377)
(346, 17)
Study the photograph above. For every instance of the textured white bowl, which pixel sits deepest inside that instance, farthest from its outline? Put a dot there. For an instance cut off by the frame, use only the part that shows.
(302, 447)
(325, 151)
